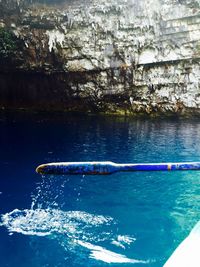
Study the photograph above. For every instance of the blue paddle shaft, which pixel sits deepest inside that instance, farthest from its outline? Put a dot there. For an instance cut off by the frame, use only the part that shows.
(108, 167)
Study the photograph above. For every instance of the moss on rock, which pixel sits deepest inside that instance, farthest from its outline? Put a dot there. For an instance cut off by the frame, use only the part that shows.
(8, 44)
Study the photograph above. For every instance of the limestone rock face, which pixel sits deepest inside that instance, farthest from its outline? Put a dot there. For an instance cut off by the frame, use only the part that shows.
(125, 56)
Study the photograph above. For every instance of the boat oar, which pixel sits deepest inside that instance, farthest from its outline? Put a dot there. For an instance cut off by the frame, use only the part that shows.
(107, 167)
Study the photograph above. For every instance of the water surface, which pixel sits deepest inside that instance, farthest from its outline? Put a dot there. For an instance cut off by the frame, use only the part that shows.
(123, 219)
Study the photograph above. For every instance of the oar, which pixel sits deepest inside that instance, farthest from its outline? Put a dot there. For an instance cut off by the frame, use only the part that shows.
(107, 167)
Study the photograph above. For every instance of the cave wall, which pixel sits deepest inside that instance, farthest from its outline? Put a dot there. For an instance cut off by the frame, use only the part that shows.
(124, 57)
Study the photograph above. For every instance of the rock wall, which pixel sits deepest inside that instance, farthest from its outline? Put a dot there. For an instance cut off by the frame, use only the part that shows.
(125, 57)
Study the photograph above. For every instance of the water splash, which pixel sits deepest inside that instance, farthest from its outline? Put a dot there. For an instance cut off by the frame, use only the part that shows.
(100, 253)
(43, 222)
(49, 193)
(76, 228)
(123, 240)
(86, 235)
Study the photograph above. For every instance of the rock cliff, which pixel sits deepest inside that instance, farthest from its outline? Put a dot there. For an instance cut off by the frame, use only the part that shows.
(124, 57)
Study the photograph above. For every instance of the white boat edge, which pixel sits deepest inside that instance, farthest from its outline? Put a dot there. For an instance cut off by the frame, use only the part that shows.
(187, 254)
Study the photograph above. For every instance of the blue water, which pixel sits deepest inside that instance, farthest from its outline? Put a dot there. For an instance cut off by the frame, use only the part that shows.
(94, 220)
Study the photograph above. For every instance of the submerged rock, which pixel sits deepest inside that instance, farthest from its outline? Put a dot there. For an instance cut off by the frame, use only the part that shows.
(124, 57)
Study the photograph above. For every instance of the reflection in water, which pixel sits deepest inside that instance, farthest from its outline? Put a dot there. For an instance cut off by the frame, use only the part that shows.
(186, 211)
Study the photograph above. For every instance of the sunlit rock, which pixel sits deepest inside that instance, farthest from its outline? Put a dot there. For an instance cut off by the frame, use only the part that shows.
(101, 54)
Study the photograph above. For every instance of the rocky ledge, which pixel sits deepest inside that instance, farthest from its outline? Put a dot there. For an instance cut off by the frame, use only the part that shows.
(126, 57)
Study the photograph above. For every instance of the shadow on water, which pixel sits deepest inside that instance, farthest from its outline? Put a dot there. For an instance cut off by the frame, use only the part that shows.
(94, 220)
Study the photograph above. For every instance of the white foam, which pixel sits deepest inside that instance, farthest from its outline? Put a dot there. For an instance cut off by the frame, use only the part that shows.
(75, 228)
(43, 222)
(123, 240)
(102, 254)
(72, 229)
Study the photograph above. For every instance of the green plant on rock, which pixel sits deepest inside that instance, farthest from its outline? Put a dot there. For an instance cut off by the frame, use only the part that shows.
(7, 43)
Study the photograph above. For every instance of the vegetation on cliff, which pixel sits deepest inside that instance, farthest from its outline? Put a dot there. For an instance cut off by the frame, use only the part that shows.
(8, 43)
(11, 50)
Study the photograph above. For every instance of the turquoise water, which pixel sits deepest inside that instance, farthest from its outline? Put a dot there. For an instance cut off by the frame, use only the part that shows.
(123, 219)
